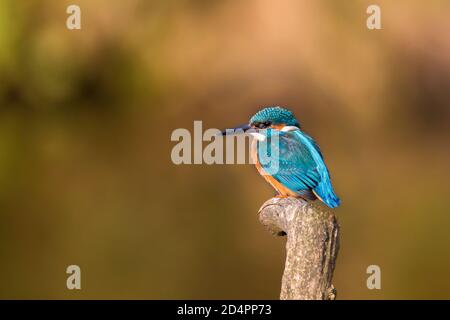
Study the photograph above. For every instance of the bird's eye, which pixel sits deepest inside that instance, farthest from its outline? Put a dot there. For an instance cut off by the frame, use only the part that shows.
(262, 125)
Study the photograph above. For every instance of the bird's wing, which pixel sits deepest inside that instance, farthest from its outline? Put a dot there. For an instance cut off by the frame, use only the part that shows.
(294, 164)
(299, 165)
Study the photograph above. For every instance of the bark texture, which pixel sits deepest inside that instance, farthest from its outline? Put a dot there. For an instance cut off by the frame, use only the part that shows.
(311, 248)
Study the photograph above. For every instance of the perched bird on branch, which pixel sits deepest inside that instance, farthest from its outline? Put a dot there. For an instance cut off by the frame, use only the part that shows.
(288, 158)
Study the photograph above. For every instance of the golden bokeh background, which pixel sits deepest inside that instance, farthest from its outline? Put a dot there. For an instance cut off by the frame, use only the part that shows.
(86, 116)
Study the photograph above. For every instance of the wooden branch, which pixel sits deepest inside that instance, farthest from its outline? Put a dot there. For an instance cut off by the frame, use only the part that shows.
(311, 248)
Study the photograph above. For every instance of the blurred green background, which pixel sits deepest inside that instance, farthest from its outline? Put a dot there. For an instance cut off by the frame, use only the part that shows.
(86, 116)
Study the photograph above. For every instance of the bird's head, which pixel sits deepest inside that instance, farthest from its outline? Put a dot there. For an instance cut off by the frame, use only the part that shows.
(273, 117)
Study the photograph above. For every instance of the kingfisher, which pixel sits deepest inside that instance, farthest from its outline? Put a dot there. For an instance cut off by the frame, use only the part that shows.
(300, 170)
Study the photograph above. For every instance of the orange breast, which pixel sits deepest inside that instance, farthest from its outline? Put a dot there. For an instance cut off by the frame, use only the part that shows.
(282, 190)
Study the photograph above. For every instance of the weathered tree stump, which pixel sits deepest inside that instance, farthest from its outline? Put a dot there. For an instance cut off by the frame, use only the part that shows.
(311, 248)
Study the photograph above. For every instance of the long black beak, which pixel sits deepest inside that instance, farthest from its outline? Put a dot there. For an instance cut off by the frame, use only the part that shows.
(237, 130)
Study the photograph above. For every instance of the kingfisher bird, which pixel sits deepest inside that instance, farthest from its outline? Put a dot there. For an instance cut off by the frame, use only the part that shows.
(300, 168)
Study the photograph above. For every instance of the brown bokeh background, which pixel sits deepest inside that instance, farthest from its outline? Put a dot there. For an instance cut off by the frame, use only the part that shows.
(86, 116)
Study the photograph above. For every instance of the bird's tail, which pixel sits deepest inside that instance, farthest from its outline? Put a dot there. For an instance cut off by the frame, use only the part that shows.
(324, 191)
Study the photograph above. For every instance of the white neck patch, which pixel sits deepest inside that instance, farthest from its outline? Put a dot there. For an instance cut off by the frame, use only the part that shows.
(258, 136)
(289, 128)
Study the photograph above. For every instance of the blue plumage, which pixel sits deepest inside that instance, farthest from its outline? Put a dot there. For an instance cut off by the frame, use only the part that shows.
(275, 115)
(299, 164)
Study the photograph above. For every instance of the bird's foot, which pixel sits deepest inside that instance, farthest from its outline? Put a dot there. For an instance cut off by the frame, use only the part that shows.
(281, 196)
